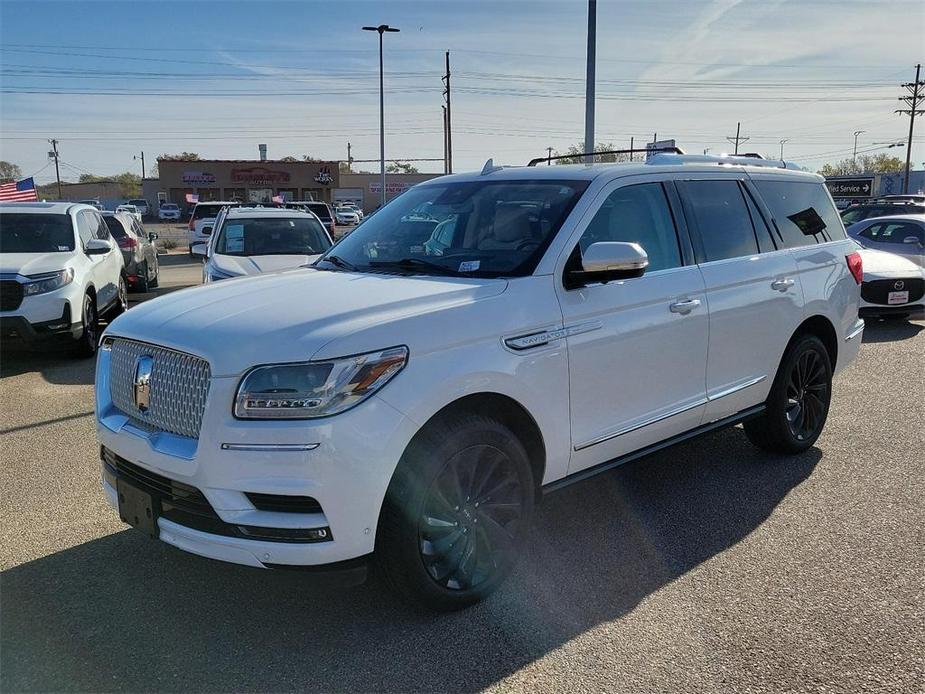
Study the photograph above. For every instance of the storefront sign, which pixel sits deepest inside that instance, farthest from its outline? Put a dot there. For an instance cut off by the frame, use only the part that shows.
(376, 187)
(851, 187)
(198, 177)
(259, 175)
(324, 176)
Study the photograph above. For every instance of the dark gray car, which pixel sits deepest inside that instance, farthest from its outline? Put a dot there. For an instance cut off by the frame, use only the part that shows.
(138, 250)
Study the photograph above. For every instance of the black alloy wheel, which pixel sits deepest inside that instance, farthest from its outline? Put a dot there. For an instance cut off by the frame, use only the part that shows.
(807, 396)
(143, 284)
(465, 532)
(89, 338)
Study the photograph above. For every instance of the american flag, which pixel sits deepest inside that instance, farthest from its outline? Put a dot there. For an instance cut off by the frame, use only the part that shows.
(192, 197)
(278, 199)
(19, 191)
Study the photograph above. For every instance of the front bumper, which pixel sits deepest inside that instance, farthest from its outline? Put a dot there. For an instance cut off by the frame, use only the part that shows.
(344, 462)
(17, 332)
(877, 311)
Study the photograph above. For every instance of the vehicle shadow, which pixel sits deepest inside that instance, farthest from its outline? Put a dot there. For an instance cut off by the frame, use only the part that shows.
(59, 367)
(891, 330)
(126, 613)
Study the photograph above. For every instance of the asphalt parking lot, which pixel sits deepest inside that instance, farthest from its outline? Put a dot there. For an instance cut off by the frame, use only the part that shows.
(707, 567)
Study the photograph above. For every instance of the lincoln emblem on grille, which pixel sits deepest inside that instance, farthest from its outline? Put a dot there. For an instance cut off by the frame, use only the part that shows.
(142, 381)
(898, 284)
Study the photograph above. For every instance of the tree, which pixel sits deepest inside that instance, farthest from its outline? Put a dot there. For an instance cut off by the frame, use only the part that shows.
(574, 152)
(129, 183)
(290, 158)
(182, 156)
(9, 172)
(866, 163)
(400, 167)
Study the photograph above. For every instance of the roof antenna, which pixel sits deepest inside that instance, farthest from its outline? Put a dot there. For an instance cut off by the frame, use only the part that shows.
(490, 167)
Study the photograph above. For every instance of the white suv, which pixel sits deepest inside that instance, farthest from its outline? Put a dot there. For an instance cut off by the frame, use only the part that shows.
(571, 318)
(60, 270)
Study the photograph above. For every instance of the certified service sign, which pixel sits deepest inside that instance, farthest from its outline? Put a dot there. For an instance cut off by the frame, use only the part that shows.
(850, 187)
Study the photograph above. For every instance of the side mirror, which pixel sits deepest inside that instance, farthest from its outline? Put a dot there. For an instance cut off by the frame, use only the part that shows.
(606, 261)
(152, 236)
(206, 231)
(912, 239)
(98, 247)
(200, 249)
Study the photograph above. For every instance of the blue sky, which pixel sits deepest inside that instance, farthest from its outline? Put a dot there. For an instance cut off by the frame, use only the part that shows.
(110, 80)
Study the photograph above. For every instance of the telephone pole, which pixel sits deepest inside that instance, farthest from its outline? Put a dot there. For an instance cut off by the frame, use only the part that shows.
(854, 155)
(549, 156)
(349, 158)
(142, 157)
(449, 121)
(914, 100)
(590, 79)
(54, 147)
(738, 138)
(446, 152)
(632, 154)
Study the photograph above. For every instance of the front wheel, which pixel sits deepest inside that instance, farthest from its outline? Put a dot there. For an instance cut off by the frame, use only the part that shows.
(89, 337)
(798, 404)
(456, 513)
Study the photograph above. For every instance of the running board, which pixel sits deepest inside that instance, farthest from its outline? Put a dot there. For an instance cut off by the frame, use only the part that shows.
(583, 475)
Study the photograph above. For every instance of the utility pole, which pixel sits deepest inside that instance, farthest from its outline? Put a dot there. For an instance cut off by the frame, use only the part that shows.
(54, 147)
(142, 157)
(549, 156)
(782, 148)
(738, 138)
(854, 155)
(446, 151)
(349, 159)
(916, 93)
(590, 79)
(449, 118)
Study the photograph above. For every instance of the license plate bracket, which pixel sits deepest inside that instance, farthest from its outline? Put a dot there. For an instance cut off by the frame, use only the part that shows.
(138, 508)
(894, 298)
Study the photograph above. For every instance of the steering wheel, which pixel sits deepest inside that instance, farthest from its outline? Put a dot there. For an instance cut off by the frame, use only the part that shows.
(527, 244)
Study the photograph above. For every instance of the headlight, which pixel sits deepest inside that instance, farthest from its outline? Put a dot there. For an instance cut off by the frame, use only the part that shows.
(47, 282)
(315, 389)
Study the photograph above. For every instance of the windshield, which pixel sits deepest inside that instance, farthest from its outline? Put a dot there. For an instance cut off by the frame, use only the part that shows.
(478, 228)
(204, 211)
(36, 233)
(321, 210)
(857, 214)
(169, 206)
(137, 202)
(297, 236)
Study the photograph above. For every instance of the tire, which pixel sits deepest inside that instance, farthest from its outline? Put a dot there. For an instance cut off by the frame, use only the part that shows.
(121, 305)
(798, 404)
(89, 337)
(456, 513)
(157, 275)
(144, 285)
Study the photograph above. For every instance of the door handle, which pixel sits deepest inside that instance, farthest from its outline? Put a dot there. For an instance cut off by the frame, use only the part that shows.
(684, 306)
(782, 285)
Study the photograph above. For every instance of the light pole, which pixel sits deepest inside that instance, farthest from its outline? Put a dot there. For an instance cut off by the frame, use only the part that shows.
(782, 148)
(589, 80)
(142, 157)
(382, 28)
(854, 156)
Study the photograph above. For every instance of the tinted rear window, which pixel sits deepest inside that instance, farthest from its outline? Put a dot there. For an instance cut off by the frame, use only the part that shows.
(721, 218)
(321, 210)
(204, 211)
(803, 212)
(36, 233)
(115, 227)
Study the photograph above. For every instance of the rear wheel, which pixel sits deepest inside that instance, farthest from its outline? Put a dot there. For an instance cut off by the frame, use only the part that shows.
(143, 282)
(157, 274)
(121, 305)
(798, 404)
(456, 513)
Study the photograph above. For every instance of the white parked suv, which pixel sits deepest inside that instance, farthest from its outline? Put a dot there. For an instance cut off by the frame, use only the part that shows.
(202, 220)
(60, 270)
(253, 240)
(412, 406)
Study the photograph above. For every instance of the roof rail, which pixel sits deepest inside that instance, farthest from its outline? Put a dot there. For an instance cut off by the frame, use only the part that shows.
(675, 159)
(540, 160)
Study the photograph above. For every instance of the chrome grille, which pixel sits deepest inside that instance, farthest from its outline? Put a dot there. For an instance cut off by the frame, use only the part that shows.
(179, 386)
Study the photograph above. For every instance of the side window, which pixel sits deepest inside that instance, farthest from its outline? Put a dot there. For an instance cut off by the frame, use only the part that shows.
(803, 212)
(86, 228)
(893, 232)
(720, 215)
(102, 229)
(762, 230)
(639, 214)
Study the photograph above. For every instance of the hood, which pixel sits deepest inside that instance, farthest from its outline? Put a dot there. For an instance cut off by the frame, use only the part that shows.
(256, 264)
(886, 264)
(288, 316)
(34, 263)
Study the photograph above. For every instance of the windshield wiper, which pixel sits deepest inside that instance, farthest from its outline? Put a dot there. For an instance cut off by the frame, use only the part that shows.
(337, 261)
(416, 264)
